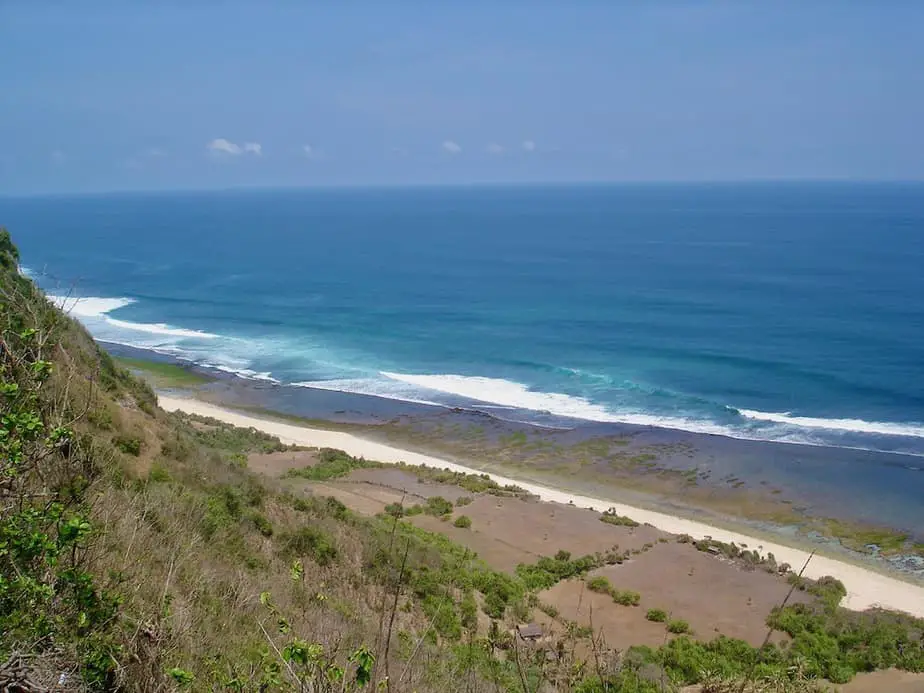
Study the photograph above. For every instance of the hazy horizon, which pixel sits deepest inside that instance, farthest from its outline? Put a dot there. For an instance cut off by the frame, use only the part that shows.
(110, 97)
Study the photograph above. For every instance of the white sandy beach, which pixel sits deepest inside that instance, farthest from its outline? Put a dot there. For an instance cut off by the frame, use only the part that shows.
(865, 588)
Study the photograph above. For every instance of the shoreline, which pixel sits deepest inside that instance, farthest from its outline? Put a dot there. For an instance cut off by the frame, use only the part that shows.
(867, 501)
(865, 588)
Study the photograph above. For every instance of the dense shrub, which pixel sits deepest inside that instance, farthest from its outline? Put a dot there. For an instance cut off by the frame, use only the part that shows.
(128, 445)
(263, 525)
(463, 522)
(438, 506)
(600, 584)
(611, 518)
(311, 542)
(549, 571)
(219, 435)
(656, 615)
(331, 464)
(678, 626)
(626, 597)
(158, 474)
(395, 510)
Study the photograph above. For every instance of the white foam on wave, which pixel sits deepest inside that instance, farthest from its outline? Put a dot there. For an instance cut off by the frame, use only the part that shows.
(98, 307)
(497, 392)
(371, 387)
(913, 430)
(89, 306)
(508, 394)
(511, 395)
(161, 329)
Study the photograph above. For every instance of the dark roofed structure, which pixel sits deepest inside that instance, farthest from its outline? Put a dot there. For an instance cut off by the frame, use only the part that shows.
(530, 631)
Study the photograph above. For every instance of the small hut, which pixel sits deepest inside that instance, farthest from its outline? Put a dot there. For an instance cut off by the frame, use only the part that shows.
(531, 632)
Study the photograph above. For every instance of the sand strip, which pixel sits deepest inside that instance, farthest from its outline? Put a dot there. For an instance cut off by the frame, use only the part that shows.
(865, 588)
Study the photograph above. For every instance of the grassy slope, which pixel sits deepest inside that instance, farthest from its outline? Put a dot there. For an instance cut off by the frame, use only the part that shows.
(162, 375)
(137, 552)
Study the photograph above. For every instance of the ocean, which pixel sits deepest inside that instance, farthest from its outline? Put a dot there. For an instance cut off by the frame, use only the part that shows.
(787, 312)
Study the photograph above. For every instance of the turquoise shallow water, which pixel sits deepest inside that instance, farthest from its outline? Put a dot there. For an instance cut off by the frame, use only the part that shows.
(778, 312)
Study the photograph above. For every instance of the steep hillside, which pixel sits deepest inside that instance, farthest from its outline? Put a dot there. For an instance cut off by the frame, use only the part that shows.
(139, 552)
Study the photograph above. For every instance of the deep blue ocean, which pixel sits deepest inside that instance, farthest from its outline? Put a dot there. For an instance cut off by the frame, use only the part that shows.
(789, 312)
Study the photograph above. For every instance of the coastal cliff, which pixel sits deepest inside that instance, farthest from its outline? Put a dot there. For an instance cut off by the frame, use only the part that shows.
(147, 551)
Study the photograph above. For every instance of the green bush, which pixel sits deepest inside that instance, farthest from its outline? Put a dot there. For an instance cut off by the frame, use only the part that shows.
(311, 542)
(835, 641)
(158, 474)
(600, 584)
(473, 483)
(463, 522)
(223, 507)
(216, 434)
(611, 518)
(395, 510)
(656, 615)
(494, 605)
(331, 464)
(462, 501)
(263, 525)
(438, 506)
(130, 446)
(549, 571)
(678, 626)
(626, 597)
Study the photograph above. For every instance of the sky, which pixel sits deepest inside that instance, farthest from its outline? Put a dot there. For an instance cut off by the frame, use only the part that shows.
(132, 95)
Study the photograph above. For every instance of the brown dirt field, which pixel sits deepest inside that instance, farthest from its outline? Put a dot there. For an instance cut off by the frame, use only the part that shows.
(508, 531)
(361, 498)
(407, 482)
(544, 528)
(711, 594)
(620, 626)
(887, 681)
(278, 463)
(492, 550)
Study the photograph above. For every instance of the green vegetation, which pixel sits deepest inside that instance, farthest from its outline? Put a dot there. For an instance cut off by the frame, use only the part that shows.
(473, 483)
(626, 597)
(549, 571)
(602, 585)
(656, 615)
(163, 375)
(463, 522)
(332, 464)
(864, 539)
(128, 445)
(678, 626)
(611, 518)
(438, 506)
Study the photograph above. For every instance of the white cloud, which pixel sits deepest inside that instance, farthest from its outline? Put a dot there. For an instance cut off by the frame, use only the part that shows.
(309, 150)
(221, 146)
(494, 148)
(155, 153)
(451, 147)
(529, 146)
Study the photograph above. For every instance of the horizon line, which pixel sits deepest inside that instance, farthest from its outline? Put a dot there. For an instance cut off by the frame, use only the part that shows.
(474, 184)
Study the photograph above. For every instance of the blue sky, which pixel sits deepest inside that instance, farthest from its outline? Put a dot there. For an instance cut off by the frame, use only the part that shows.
(99, 96)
